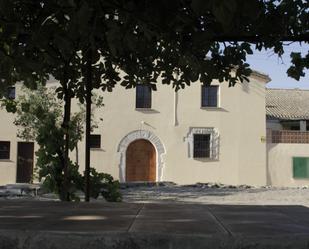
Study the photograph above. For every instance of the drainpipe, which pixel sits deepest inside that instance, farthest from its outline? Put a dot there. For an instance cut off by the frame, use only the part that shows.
(176, 104)
(175, 108)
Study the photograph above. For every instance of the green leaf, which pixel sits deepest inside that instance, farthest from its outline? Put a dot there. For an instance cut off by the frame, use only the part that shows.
(247, 47)
(25, 107)
(224, 12)
(200, 6)
(11, 106)
(153, 87)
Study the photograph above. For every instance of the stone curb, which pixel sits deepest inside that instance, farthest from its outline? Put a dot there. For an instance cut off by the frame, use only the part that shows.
(12, 239)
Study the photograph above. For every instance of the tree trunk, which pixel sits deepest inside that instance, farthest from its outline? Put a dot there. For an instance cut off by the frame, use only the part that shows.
(65, 125)
(88, 122)
(76, 154)
(58, 174)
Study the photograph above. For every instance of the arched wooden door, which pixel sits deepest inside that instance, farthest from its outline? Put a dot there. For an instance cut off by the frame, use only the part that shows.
(141, 161)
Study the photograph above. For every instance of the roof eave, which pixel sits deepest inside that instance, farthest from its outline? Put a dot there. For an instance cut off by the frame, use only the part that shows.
(258, 75)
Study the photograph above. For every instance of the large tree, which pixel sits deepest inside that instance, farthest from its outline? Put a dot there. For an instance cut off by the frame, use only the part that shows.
(188, 27)
(86, 44)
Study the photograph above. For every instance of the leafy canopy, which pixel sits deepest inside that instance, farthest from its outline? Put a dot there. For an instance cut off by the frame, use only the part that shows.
(180, 40)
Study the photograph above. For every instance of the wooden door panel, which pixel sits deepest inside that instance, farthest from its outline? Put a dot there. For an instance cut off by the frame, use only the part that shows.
(25, 151)
(141, 161)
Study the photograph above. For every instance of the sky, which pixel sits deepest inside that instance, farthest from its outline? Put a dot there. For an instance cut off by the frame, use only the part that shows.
(267, 63)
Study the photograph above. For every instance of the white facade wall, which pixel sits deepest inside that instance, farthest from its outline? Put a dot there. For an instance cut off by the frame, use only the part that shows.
(8, 133)
(242, 158)
(240, 122)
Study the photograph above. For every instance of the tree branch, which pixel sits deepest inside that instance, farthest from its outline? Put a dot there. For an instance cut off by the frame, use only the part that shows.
(260, 38)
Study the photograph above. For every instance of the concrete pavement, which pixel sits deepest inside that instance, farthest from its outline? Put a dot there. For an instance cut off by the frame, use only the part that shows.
(34, 224)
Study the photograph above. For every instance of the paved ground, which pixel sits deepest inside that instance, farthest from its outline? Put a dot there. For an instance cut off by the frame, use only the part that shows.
(34, 224)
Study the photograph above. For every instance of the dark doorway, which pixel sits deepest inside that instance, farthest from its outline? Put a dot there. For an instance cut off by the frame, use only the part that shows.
(25, 152)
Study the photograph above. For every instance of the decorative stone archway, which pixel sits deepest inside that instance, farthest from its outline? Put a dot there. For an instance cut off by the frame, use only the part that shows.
(141, 134)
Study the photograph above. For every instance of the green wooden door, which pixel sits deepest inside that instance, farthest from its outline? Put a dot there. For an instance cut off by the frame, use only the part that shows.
(300, 167)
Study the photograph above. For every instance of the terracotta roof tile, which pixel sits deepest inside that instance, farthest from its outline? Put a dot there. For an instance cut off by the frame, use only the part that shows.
(289, 104)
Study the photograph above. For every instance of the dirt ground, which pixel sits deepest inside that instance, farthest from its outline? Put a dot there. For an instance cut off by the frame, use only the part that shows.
(206, 195)
(197, 193)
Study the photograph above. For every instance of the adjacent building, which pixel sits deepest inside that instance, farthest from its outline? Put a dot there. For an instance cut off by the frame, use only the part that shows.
(287, 122)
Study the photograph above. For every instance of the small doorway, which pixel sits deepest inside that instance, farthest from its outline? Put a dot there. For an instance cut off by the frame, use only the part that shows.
(141, 161)
(25, 151)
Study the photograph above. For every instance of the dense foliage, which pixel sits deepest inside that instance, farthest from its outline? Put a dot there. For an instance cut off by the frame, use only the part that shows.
(146, 39)
(104, 184)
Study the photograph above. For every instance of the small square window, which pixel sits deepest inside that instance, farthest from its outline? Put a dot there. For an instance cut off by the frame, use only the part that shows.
(301, 167)
(201, 145)
(11, 92)
(203, 142)
(210, 96)
(95, 141)
(143, 96)
(4, 150)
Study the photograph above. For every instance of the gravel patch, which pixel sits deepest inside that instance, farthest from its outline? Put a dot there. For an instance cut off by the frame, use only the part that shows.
(226, 195)
(167, 192)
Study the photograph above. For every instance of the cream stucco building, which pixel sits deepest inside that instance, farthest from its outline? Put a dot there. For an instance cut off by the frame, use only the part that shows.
(287, 112)
(199, 134)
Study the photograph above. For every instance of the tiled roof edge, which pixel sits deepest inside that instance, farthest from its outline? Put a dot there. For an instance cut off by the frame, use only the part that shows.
(287, 89)
(260, 75)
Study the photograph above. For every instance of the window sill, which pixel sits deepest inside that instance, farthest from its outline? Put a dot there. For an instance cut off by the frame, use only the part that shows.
(143, 109)
(6, 160)
(211, 107)
(205, 159)
(96, 149)
(215, 109)
(146, 110)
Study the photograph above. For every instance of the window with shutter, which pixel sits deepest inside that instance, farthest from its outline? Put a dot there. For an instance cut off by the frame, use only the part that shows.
(201, 145)
(210, 96)
(143, 96)
(11, 92)
(4, 150)
(95, 141)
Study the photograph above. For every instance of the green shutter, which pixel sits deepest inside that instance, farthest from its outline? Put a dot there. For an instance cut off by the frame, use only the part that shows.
(300, 167)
